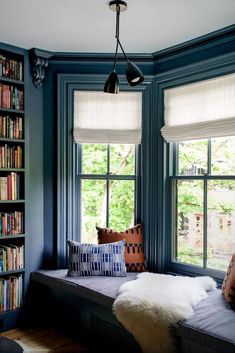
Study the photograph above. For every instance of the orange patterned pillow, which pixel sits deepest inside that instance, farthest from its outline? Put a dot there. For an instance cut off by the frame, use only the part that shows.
(134, 255)
(228, 287)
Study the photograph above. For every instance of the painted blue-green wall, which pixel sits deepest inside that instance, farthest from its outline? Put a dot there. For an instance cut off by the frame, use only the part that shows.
(185, 55)
(41, 112)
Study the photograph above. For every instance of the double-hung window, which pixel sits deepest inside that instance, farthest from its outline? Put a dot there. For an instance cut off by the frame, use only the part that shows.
(200, 128)
(107, 129)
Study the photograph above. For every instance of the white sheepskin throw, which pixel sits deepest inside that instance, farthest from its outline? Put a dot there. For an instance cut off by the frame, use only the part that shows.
(148, 306)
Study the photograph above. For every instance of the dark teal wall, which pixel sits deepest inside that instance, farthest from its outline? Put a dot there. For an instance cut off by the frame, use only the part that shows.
(185, 55)
(41, 112)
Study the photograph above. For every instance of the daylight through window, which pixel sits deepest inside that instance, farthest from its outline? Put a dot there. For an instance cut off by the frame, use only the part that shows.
(204, 202)
(108, 183)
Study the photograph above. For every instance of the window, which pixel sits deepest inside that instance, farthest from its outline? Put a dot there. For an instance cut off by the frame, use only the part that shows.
(203, 189)
(107, 179)
(200, 128)
(107, 130)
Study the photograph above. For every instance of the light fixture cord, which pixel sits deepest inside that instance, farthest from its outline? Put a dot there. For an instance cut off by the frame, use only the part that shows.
(117, 37)
(117, 30)
(122, 49)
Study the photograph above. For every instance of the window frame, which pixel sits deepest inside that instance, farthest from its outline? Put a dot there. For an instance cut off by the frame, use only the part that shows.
(108, 176)
(200, 71)
(66, 197)
(173, 191)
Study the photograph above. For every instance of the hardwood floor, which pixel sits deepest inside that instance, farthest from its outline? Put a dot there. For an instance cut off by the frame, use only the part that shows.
(38, 340)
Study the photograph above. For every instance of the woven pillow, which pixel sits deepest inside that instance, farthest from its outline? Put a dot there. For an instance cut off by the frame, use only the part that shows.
(96, 260)
(228, 287)
(134, 255)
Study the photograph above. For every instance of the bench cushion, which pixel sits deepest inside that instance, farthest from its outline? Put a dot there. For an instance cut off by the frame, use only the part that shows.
(99, 289)
(210, 330)
(212, 325)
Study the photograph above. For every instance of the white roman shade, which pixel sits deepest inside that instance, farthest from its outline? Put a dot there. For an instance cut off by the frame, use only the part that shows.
(204, 109)
(107, 118)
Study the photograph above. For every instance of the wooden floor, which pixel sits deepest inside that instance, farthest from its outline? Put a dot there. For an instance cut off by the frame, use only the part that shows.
(39, 340)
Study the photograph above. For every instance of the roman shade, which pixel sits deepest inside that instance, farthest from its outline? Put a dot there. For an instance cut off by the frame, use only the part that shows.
(107, 118)
(200, 110)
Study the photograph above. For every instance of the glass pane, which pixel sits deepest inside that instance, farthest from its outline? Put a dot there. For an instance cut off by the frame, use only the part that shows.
(122, 159)
(189, 228)
(193, 157)
(121, 206)
(223, 155)
(94, 159)
(220, 223)
(93, 208)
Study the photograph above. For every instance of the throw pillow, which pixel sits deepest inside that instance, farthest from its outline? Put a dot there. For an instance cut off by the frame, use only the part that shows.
(228, 287)
(96, 260)
(134, 255)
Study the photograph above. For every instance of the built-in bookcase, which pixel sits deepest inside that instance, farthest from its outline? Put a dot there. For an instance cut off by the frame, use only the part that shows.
(12, 186)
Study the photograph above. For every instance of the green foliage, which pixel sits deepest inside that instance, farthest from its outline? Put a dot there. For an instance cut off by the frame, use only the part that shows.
(220, 202)
(121, 204)
(189, 256)
(94, 158)
(94, 191)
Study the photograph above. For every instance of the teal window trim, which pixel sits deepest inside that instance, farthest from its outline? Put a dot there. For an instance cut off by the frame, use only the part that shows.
(67, 200)
(167, 162)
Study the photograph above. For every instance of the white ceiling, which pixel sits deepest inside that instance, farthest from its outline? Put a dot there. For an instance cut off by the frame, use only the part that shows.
(88, 25)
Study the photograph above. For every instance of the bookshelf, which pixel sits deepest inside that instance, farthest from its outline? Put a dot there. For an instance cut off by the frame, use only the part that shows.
(12, 187)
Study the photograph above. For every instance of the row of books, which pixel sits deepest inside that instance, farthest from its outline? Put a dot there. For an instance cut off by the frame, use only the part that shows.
(11, 97)
(11, 156)
(10, 187)
(11, 127)
(11, 68)
(11, 223)
(11, 293)
(11, 257)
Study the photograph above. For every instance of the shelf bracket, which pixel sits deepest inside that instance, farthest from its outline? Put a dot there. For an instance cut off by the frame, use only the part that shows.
(39, 61)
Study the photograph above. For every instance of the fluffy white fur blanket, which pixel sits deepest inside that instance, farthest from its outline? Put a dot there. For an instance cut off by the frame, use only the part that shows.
(148, 306)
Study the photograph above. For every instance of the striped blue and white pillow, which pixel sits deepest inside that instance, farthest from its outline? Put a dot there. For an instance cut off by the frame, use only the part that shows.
(96, 260)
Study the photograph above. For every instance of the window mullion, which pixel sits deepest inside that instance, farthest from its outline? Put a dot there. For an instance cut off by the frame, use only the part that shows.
(137, 204)
(78, 199)
(176, 159)
(205, 223)
(174, 219)
(209, 157)
(107, 186)
(78, 156)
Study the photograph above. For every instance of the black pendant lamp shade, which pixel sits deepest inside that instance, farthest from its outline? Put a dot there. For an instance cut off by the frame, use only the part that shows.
(112, 83)
(133, 73)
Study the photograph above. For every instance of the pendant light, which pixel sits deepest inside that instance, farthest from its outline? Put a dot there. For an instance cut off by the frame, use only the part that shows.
(133, 73)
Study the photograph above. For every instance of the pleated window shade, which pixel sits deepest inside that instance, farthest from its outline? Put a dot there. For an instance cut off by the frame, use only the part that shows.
(107, 118)
(201, 110)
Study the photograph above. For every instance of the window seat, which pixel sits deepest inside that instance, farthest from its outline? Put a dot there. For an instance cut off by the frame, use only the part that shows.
(86, 302)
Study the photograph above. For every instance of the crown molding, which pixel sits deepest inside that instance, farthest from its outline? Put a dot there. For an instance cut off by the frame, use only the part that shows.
(41, 58)
(198, 44)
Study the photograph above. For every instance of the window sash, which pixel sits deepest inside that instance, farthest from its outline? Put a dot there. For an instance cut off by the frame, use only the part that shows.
(173, 264)
(107, 176)
(205, 178)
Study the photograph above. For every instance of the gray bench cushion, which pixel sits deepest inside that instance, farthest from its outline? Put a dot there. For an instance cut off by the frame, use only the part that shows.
(99, 289)
(211, 328)
(212, 325)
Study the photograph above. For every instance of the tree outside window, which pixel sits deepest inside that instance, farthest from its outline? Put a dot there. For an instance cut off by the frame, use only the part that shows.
(107, 177)
(204, 202)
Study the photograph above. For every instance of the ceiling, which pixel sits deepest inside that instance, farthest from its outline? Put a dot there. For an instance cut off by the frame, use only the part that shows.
(88, 25)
